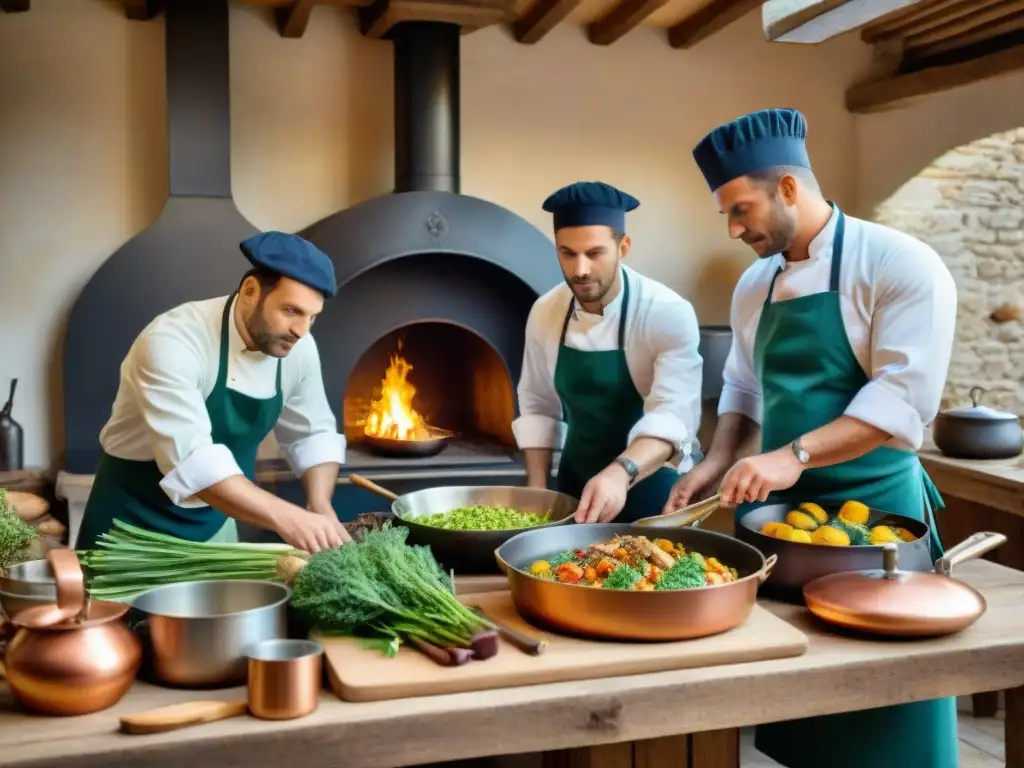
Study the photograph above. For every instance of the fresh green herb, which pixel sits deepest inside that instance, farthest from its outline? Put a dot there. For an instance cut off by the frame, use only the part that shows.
(859, 534)
(685, 573)
(623, 577)
(568, 556)
(15, 534)
(132, 560)
(480, 517)
(380, 587)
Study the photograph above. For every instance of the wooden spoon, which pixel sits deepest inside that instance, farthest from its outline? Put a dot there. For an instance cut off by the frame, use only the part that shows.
(369, 485)
(176, 716)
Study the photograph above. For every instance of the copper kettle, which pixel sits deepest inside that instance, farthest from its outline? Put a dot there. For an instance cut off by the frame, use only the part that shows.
(73, 657)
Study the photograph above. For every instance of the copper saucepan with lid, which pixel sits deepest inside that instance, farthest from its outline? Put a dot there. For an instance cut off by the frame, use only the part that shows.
(903, 603)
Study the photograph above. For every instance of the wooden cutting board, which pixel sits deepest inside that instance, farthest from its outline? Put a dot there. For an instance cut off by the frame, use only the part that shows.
(360, 674)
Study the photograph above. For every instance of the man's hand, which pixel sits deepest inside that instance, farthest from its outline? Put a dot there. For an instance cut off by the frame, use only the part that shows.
(604, 496)
(328, 511)
(311, 531)
(696, 485)
(753, 478)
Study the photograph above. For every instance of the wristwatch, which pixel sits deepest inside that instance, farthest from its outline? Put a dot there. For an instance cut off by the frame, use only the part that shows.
(630, 466)
(800, 452)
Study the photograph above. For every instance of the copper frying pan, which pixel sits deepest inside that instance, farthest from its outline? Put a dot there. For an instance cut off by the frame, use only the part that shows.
(903, 603)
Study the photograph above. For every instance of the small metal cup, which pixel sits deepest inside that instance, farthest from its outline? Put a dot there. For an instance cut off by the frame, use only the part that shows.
(284, 678)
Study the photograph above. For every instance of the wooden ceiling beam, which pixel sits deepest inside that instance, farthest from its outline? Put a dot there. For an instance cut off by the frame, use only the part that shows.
(377, 18)
(706, 21)
(142, 10)
(15, 6)
(623, 18)
(894, 23)
(542, 18)
(292, 20)
(997, 28)
(963, 24)
(814, 21)
(874, 94)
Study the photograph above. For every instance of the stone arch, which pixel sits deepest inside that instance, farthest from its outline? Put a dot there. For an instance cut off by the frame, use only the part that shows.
(969, 206)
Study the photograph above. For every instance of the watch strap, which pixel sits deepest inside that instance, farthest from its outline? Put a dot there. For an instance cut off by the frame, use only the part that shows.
(630, 466)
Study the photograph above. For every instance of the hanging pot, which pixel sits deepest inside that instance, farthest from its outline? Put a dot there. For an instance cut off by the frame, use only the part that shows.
(978, 432)
(903, 603)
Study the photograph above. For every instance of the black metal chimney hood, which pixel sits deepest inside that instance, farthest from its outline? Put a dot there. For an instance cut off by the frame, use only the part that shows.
(189, 253)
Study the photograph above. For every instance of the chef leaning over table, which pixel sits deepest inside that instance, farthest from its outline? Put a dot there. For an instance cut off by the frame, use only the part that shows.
(843, 331)
(611, 372)
(201, 387)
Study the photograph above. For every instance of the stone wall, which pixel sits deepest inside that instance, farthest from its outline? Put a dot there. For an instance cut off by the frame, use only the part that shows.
(969, 206)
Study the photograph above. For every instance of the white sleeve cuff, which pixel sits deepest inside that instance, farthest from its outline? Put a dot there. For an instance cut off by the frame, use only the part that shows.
(876, 405)
(321, 448)
(733, 400)
(663, 426)
(205, 466)
(536, 431)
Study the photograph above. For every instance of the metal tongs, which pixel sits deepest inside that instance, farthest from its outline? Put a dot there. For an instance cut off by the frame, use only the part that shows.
(687, 516)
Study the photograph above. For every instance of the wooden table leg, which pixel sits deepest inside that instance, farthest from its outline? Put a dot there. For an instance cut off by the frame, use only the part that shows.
(716, 749)
(1014, 728)
(668, 752)
(600, 756)
(985, 704)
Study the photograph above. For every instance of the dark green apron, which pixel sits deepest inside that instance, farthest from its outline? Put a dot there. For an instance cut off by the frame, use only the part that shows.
(130, 490)
(601, 406)
(809, 375)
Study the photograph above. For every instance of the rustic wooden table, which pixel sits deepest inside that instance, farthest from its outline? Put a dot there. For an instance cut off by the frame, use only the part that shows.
(626, 722)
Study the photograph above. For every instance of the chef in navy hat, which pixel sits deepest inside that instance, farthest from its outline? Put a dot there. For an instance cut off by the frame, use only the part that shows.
(611, 373)
(201, 388)
(842, 336)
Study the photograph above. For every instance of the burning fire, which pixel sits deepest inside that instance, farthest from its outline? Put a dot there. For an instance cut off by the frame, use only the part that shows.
(392, 415)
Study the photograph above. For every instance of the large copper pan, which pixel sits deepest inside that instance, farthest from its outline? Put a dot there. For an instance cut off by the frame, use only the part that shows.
(631, 615)
(900, 603)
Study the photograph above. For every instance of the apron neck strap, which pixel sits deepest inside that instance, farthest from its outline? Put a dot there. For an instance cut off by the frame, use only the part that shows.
(622, 315)
(838, 237)
(225, 346)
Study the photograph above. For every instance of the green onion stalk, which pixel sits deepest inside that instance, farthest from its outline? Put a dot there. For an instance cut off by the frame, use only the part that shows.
(132, 560)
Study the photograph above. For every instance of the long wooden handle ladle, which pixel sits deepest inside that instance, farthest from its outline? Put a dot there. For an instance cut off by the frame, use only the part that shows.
(369, 485)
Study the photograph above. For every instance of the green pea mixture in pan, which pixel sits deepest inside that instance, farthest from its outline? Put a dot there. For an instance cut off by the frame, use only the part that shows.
(480, 517)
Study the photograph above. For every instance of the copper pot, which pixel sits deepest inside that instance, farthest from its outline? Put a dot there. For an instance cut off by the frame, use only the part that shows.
(75, 657)
(903, 603)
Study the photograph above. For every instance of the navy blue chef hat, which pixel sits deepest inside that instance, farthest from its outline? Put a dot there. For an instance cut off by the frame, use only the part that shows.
(752, 143)
(590, 203)
(292, 256)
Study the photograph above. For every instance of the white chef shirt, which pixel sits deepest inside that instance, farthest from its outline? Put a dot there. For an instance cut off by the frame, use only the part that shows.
(661, 342)
(160, 409)
(898, 304)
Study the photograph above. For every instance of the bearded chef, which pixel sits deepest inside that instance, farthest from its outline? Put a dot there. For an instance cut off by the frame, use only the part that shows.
(843, 331)
(611, 372)
(201, 387)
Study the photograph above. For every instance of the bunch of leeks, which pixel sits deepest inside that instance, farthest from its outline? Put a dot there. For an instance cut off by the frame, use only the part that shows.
(132, 560)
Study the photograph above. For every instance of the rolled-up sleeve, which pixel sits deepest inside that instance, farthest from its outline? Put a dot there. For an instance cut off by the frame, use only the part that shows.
(166, 381)
(672, 408)
(912, 329)
(741, 391)
(307, 431)
(540, 423)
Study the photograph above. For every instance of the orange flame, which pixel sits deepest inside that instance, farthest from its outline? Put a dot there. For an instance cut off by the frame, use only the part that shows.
(392, 415)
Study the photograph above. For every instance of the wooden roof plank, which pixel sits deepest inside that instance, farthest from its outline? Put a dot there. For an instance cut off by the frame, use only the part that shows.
(708, 20)
(542, 18)
(625, 17)
(996, 28)
(814, 21)
(893, 23)
(993, 12)
(292, 20)
(872, 95)
(960, 10)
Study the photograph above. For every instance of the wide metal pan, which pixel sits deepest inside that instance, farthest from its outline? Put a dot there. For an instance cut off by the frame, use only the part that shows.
(395, 448)
(658, 615)
(469, 552)
(800, 563)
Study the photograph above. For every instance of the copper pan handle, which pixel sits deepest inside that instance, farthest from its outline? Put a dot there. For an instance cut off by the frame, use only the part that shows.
(766, 569)
(972, 547)
(369, 485)
(67, 572)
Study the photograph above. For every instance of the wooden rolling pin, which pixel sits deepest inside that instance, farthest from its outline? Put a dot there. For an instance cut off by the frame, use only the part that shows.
(176, 716)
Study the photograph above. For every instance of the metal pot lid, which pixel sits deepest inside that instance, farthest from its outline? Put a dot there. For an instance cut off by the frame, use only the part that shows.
(978, 412)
